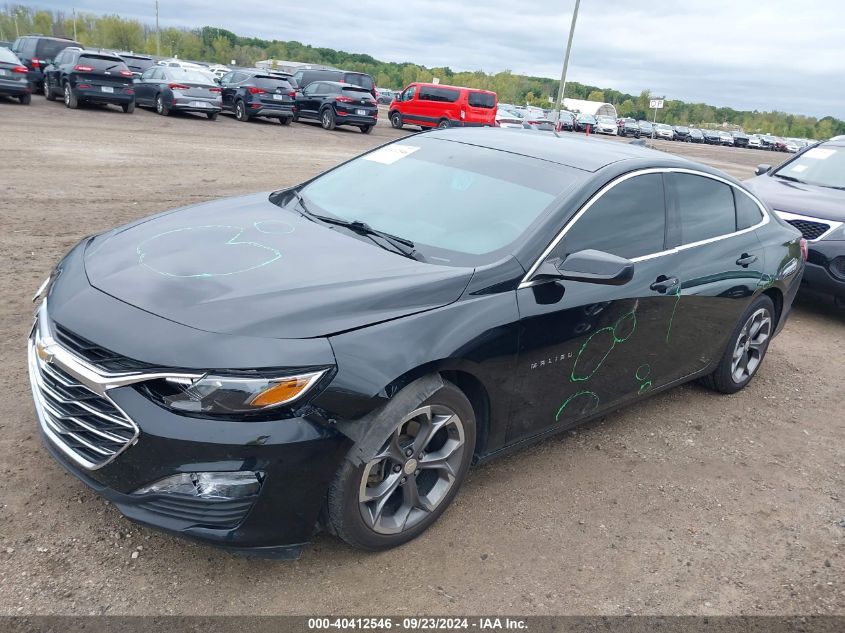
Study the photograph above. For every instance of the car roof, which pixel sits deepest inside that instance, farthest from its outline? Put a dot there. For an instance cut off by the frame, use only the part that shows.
(89, 51)
(588, 154)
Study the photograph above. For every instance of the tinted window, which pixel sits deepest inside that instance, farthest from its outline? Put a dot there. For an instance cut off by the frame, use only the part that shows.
(409, 93)
(272, 84)
(356, 93)
(103, 63)
(482, 100)
(434, 93)
(705, 207)
(8, 56)
(629, 220)
(747, 212)
(237, 78)
(28, 46)
(48, 49)
(365, 81)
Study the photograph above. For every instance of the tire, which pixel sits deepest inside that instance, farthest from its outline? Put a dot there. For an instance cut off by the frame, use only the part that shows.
(128, 108)
(396, 120)
(744, 353)
(442, 124)
(240, 112)
(295, 118)
(366, 129)
(48, 93)
(212, 116)
(327, 119)
(285, 120)
(25, 99)
(434, 487)
(161, 106)
(70, 99)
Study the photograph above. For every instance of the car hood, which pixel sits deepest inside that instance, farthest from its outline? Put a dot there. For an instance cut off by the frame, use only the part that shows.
(245, 266)
(795, 197)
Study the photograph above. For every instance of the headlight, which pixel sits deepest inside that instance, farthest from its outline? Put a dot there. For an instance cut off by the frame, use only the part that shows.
(44, 288)
(227, 395)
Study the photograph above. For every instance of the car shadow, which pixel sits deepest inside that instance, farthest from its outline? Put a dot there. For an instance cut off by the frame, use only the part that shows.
(820, 305)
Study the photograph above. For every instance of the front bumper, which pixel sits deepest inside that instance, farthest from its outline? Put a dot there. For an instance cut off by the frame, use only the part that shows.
(607, 130)
(298, 456)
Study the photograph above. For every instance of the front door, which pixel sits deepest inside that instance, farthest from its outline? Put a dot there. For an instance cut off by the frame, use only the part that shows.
(585, 348)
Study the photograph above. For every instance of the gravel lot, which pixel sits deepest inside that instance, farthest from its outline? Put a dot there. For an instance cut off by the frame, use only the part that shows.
(689, 502)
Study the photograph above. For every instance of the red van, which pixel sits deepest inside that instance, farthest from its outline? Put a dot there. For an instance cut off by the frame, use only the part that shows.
(436, 105)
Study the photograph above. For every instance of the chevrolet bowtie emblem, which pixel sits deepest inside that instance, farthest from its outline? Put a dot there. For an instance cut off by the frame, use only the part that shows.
(43, 352)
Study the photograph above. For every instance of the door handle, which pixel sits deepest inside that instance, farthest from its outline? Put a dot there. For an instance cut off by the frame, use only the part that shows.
(746, 260)
(664, 284)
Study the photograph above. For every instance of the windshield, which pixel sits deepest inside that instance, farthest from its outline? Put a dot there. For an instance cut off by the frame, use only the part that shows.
(606, 119)
(823, 166)
(458, 203)
(8, 56)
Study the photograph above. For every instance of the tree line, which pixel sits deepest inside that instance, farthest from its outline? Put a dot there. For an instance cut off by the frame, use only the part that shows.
(212, 44)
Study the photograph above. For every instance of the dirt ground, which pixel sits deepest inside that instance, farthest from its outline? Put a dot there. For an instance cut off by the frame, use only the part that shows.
(688, 502)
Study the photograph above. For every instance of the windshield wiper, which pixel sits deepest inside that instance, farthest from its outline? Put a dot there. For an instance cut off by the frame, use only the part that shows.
(400, 245)
(790, 178)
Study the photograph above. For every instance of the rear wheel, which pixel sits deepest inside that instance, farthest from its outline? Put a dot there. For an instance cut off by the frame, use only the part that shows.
(212, 116)
(327, 119)
(285, 120)
(25, 99)
(128, 108)
(442, 124)
(240, 112)
(746, 348)
(70, 99)
(366, 129)
(161, 106)
(295, 118)
(396, 120)
(406, 485)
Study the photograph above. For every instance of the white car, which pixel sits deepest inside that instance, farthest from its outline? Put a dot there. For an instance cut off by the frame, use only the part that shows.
(661, 130)
(606, 125)
(218, 70)
(754, 141)
(793, 145)
(726, 138)
(508, 118)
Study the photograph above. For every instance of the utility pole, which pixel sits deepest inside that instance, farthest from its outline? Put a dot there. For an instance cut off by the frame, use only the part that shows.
(158, 33)
(562, 86)
(74, 24)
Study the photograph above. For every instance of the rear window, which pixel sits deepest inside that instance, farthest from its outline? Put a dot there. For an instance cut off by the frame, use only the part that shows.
(482, 99)
(191, 76)
(435, 93)
(365, 81)
(271, 83)
(48, 49)
(102, 62)
(8, 56)
(356, 92)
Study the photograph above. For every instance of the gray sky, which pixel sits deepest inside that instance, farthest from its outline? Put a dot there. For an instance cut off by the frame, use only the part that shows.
(748, 54)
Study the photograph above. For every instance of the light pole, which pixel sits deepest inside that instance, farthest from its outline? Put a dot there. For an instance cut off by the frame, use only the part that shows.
(562, 86)
(158, 34)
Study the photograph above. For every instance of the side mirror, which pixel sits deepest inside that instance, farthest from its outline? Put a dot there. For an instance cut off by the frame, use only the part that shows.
(596, 267)
(762, 169)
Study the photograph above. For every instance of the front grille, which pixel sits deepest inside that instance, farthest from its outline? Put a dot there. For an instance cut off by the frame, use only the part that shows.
(809, 229)
(85, 426)
(94, 354)
(837, 267)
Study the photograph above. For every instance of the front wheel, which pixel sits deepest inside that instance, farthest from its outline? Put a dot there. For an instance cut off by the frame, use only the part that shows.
(746, 348)
(396, 120)
(403, 487)
(48, 91)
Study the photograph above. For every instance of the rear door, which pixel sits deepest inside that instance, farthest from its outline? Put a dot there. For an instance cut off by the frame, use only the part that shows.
(308, 101)
(722, 266)
(481, 107)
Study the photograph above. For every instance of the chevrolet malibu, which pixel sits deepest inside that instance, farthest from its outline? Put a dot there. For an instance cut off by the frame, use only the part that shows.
(336, 355)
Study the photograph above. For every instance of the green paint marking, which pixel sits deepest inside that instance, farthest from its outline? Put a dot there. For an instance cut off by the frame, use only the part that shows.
(645, 386)
(674, 308)
(593, 403)
(643, 371)
(618, 336)
(630, 316)
(272, 253)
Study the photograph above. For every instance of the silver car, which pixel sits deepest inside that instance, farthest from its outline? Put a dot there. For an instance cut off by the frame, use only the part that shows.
(167, 88)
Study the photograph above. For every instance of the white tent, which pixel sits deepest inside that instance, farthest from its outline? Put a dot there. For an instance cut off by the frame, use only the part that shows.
(595, 108)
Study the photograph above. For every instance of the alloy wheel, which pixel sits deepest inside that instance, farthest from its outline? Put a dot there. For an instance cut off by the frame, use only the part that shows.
(327, 121)
(67, 95)
(750, 345)
(414, 470)
(159, 104)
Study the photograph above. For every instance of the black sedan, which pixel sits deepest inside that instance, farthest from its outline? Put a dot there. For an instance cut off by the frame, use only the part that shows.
(178, 89)
(337, 354)
(809, 193)
(333, 103)
(712, 137)
(13, 77)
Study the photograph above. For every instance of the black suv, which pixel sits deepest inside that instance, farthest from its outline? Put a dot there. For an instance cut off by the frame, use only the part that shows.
(681, 132)
(89, 76)
(252, 92)
(137, 63)
(332, 104)
(36, 52)
(629, 127)
(305, 77)
(740, 138)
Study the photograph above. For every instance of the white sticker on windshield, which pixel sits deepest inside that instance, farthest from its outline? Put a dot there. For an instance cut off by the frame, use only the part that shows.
(390, 154)
(819, 153)
(799, 168)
